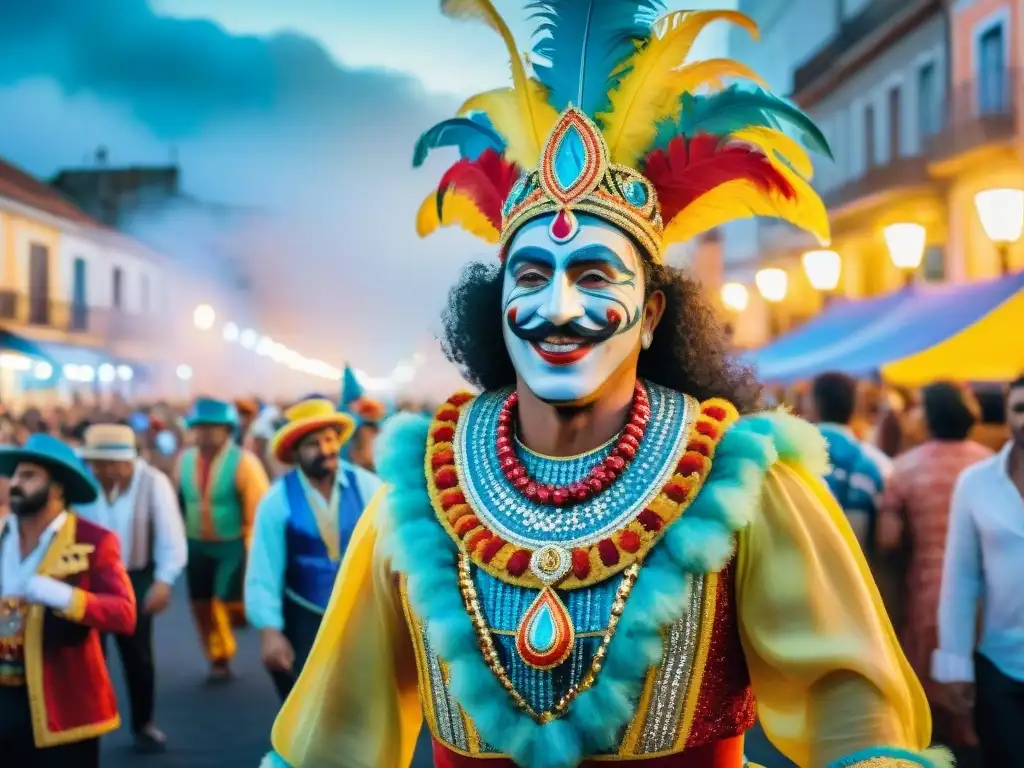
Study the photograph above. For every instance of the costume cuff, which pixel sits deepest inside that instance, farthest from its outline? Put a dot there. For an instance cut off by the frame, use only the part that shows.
(893, 757)
(75, 610)
(273, 760)
(952, 667)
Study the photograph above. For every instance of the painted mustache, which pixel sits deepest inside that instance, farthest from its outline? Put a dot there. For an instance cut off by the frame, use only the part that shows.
(570, 329)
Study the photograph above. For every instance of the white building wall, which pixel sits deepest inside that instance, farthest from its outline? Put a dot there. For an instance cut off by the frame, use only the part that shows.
(101, 261)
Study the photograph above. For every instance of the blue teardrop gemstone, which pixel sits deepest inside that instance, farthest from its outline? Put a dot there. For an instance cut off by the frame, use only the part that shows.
(635, 193)
(541, 633)
(570, 158)
(515, 196)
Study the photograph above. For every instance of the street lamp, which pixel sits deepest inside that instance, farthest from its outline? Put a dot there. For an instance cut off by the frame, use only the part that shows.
(773, 285)
(1002, 217)
(906, 241)
(823, 268)
(204, 317)
(735, 297)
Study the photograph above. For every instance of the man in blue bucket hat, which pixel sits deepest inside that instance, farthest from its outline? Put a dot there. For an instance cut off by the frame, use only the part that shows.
(62, 584)
(220, 484)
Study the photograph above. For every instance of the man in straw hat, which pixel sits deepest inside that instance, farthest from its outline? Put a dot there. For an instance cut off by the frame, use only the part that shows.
(62, 583)
(139, 504)
(302, 529)
(220, 486)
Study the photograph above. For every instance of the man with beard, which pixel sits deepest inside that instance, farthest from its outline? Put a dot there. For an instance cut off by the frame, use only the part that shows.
(303, 526)
(984, 672)
(219, 485)
(598, 560)
(61, 585)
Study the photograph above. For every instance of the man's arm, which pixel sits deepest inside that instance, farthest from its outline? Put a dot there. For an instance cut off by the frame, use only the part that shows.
(264, 571)
(252, 484)
(953, 661)
(170, 549)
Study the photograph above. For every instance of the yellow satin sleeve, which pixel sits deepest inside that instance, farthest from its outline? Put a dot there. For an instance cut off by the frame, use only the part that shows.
(356, 704)
(829, 675)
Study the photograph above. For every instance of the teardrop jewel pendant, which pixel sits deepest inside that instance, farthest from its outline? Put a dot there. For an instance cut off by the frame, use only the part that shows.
(546, 635)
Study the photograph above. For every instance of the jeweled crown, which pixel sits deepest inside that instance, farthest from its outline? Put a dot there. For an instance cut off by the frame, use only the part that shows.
(576, 176)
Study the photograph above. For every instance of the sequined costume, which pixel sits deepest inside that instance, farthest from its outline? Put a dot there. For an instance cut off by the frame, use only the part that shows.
(651, 598)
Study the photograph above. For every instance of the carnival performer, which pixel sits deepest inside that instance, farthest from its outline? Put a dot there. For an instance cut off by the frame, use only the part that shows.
(303, 526)
(139, 504)
(61, 585)
(220, 486)
(609, 552)
(369, 415)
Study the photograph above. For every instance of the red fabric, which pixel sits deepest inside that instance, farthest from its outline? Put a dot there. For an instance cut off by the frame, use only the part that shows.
(727, 753)
(725, 705)
(76, 687)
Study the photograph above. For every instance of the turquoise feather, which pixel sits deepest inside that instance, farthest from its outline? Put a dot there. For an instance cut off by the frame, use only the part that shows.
(583, 43)
(738, 107)
(472, 134)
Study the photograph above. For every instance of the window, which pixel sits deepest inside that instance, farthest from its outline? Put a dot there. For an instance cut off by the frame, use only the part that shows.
(992, 71)
(117, 289)
(79, 301)
(870, 158)
(927, 100)
(39, 284)
(894, 123)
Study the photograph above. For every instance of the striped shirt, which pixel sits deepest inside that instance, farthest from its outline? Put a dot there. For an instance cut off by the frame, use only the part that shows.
(859, 471)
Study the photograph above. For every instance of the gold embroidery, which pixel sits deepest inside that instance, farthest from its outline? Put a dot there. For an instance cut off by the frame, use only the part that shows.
(422, 667)
(490, 653)
(73, 559)
(707, 624)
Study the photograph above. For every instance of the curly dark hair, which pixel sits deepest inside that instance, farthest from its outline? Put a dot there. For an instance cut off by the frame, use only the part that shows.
(688, 353)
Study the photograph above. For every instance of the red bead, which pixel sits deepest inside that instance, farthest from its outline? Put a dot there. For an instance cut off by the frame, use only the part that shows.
(628, 452)
(530, 491)
(634, 431)
(504, 417)
(580, 563)
(676, 492)
(629, 440)
(516, 472)
(446, 478)
(442, 458)
(708, 429)
(476, 539)
(629, 540)
(450, 499)
(559, 496)
(509, 462)
(503, 440)
(513, 399)
(491, 548)
(600, 473)
(595, 485)
(650, 521)
(615, 463)
(715, 412)
(505, 450)
(521, 482)
(700, 447)
(690, 463)
(459, 399)
(543, 494)
(503, 430)
(644, 411)
(608, 551)
(518, 563)
(443, 434)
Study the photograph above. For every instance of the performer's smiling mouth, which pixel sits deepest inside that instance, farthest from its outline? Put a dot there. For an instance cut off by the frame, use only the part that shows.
(562, 350)
(564, 344)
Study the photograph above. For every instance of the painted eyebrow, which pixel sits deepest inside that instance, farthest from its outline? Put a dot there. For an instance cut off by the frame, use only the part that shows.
(588, 253)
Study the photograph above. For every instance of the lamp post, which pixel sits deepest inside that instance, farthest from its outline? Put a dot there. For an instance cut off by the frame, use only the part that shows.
(906, 241)
(735, 299)
(823, 268)
(773, 285)
(1002, 217)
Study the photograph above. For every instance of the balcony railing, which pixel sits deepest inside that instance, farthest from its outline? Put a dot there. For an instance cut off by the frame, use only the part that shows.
(893, 174)
(73, 318)
(980, 111)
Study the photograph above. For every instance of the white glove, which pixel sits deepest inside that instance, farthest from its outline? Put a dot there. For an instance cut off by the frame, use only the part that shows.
(44, 590)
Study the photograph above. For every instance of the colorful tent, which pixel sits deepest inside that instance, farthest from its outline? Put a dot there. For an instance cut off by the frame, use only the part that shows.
(966, 332)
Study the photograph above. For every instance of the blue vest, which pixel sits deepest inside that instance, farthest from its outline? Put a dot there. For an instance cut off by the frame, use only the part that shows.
(310, 572)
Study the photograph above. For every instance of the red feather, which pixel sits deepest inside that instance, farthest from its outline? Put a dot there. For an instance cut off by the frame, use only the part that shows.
(486, 181)
(691, 169)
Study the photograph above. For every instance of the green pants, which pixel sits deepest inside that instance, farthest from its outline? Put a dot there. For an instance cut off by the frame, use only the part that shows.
(216, 572)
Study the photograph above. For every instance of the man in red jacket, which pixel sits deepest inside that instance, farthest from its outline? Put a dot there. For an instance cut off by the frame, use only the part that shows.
(62, 583)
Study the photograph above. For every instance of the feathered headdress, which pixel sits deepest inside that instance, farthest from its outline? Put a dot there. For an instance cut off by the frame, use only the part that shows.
(617, 124)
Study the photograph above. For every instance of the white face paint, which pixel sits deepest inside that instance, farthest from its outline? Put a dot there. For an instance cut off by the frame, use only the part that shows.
(572, 312)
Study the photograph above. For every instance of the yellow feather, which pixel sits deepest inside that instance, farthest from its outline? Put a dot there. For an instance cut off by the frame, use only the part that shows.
(689, 78)
(535, 118)
(459, 211)
(740, 199)
(648, 92)
(504, 107)
(778, 146)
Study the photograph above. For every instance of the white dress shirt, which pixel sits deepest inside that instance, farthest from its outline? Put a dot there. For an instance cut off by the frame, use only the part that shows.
(15, 573)
(984, 561)
(170, 548)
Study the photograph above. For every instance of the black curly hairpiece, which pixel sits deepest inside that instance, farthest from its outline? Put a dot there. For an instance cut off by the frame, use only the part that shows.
(688, 352)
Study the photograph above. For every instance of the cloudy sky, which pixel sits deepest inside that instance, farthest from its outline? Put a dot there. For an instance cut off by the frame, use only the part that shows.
(309, 108)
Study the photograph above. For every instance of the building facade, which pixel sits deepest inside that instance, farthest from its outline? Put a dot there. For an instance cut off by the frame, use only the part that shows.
(920, 103)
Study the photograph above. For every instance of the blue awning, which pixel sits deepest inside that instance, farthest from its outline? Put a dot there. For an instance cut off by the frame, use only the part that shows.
(862, 341)
(12, 342)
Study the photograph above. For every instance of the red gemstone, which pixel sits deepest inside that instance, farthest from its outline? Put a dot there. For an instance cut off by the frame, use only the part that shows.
(559, 496)
(629, 541)
(650, 521)
(608, 551)
(715, 412)
(442, 458)
(450, 499)
(615, 463)
(518, 563)
(580, 563)
(443, 434)
(561, 227)
(446, 478)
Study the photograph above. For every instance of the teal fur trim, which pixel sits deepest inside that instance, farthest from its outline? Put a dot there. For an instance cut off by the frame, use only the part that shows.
(700, 541)
(273, 760)
(935, 757)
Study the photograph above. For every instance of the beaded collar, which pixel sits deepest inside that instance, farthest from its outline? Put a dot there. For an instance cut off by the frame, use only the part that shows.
(533, 545)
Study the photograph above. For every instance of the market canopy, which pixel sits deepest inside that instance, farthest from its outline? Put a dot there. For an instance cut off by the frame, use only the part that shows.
(922, 333)
(13, 343)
